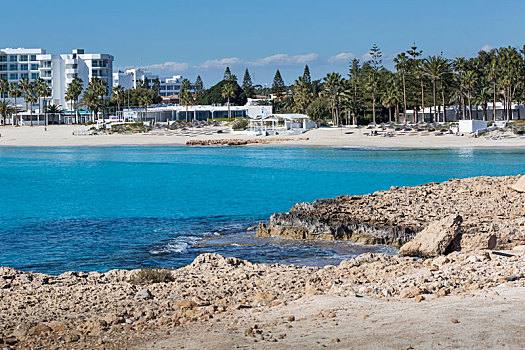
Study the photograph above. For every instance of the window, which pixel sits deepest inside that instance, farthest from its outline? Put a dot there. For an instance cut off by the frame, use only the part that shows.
(3, 58)
(24, 66)
(34, 76)
(13, 76)
(34, 66)
(3, 67)
(23, 58)
(13, 67)
(3, 76)
(12, 58)
(72, 66)
(33, 57)
(46, 74)
(24, 75)
(45, 64)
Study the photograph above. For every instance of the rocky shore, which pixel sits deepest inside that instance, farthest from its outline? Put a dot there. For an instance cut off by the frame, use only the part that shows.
(491, 211)
(106, 310)
(240, 142)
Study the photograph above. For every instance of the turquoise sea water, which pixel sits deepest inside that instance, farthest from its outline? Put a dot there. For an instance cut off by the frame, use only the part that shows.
(98, 208)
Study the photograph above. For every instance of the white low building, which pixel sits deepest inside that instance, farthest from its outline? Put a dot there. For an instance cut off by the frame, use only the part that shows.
(469, 126)
(277, 123)
(193, 112)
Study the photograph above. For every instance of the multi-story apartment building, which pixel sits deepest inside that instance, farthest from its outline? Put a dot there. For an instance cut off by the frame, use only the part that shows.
(58, 70)
(131, 78)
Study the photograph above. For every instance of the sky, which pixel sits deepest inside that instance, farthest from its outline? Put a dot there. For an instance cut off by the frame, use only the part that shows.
(202, 37)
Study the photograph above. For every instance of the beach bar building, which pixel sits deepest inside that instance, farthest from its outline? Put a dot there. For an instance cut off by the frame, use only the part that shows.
(275, 123)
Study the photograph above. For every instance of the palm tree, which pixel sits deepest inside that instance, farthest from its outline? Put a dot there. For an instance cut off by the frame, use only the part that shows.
(14, 91)
(469, 82)
(145, 100)
(391, 97)
(39, 90)
(334, 90)
(185, 96)
(90, 99)
(302, 95)
(434, 67)
(228, 92)
(118, 94)
(25, 85)
(4, 88)
(73, 92)
(401, 65)
(30, 98)
(6, 110)
(54, 110)
(460, 66)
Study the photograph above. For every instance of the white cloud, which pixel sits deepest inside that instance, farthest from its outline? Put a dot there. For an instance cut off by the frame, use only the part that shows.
(486, 48)
(342, 57)
(169, 66)
(221, 63)
(284, 59)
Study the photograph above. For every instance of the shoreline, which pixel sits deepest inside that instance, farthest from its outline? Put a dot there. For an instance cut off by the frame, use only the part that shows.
(62, 136)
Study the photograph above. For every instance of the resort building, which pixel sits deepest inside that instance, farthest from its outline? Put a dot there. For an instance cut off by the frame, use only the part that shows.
(169, 113)
(58, 70)
(132, 78)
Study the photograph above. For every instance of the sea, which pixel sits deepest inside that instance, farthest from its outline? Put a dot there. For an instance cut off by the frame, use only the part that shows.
(103, 208)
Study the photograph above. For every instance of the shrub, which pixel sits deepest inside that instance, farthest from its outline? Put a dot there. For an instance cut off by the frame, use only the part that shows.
(151, 275)
(240, 124)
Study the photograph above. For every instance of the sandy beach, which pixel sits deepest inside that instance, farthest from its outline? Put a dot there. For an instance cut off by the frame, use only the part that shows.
(60, 136)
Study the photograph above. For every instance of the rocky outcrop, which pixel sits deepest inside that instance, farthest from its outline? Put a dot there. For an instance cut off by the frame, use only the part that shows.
(435, 239)
(240, 142)
(491, 209)
(79, 310)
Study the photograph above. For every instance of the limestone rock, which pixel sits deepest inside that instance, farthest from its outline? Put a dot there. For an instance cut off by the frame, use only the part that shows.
(520, 185)
(435, 239)
(143, 294)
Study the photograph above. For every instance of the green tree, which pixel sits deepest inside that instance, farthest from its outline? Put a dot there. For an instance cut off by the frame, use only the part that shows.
(228, 92)
(30, 98)
(247, 84)
(199, 86)
(353, 96)
(6, 110)
(373, 80)
(54, 110)
(434, 67)
(318, 110)
(73, 92)
(278, 83)
(185, 96)
(14, 91)
(4, 88)
(302, 95)
(118, 95)
(401, 65)
(334, 91)
(307, 78)
(227, 74)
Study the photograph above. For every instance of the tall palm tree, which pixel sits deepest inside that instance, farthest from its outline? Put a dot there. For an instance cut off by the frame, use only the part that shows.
(401, 65)
(391, 97)
(90, 100)
(4, 88)
(434, 67)
(469, 83)
(73, 92)
(118, 94)
(30, 98)
(185, 96)
(25, 85)
(228, 92)
(14, 91)
(39, 90)
(334, 90)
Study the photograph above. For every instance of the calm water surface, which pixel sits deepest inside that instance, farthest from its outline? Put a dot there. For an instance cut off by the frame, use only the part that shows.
(99, 208)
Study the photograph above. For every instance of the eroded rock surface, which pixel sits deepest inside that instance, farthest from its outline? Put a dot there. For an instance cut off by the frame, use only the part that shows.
(490, 208)
(100, 310)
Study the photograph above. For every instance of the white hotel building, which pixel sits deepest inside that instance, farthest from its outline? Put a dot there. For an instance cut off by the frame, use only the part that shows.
(58, 70)
(131, 78)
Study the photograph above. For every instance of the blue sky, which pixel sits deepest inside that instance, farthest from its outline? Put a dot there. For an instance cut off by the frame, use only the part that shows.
(203, 36)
